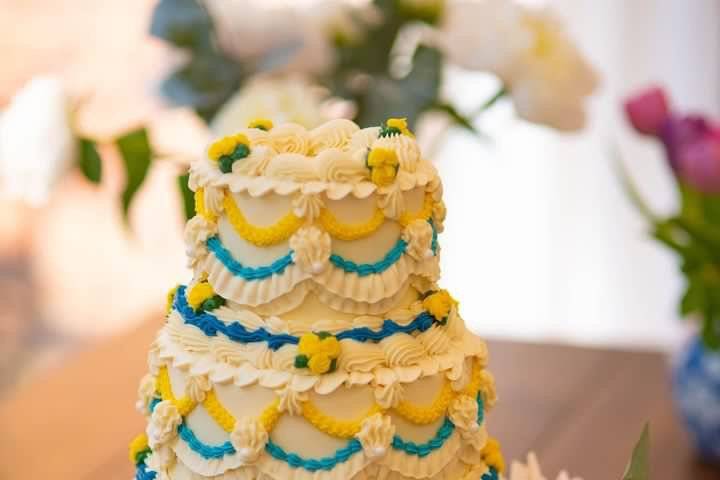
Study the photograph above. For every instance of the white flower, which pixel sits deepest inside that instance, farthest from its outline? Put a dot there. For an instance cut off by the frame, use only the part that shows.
(418, 236)
(280, 37)
(531, 471)
(281, 99)
(547, 77)
(249, 438)
(163, 424)
(146, 392)
(376, 434)
(311, 249)
(464, 413)
(36, 140)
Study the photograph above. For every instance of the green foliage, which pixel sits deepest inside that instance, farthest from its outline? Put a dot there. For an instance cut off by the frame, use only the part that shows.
(187, 196)
(182, 23)
(408, 97)
(694, 235)
(136, 154)
(204, 83)
(90, 162)
(208, 78)
(639, 466)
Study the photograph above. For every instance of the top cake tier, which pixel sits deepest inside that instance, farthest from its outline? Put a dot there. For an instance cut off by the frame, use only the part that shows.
(348, 215)
(337, 158)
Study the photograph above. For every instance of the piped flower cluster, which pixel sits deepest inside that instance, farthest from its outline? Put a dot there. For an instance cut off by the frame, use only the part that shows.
(318, 352)
(382, 162)
(229, 150)
(202, 297)
(439, 304)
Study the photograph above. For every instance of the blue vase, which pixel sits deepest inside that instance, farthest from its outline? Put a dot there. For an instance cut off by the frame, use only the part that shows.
(696, 387)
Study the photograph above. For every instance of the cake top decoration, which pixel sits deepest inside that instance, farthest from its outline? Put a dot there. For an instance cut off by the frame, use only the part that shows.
(337, 157)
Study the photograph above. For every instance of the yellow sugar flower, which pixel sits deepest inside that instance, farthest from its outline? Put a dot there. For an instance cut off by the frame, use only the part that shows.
(261, 123)
(137, 446)
(318, 352)
(170, 298)
(329, 346)
(226, 146)
(399, 124)
(439, 304)
(320, 363)
(492, 455)
(309, 344)
(383, 164)
(199, 293)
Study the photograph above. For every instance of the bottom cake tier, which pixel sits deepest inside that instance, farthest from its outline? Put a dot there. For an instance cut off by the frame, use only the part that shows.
(203, 426)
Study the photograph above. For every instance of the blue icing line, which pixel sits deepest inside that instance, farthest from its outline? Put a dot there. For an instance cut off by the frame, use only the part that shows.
(142, 473)
(481, 409)
(211, 325)
(491, 474)
(312, 464)
(389, 328)
(208, 452)
(424, 449)
(278, 266)
(365, 269)
(240, 270)
(153, 403)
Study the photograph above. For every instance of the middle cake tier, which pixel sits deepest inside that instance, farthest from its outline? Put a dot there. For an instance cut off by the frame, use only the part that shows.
(357, 255)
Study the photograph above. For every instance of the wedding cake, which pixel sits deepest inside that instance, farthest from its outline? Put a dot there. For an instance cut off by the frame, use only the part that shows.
(313, 341)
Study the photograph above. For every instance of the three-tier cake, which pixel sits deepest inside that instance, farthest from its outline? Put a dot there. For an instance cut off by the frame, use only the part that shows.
(313, 341)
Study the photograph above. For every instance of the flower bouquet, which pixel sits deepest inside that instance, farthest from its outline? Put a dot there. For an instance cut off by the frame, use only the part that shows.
(691, 144)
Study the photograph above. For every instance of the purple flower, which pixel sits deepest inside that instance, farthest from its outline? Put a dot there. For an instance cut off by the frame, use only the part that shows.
(699, 163)
(677, 133)
(648, 110)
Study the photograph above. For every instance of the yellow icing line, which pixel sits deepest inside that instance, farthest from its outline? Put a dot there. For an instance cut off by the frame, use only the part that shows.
(332, 426)
(419, 415)
(200, 206)
(349, 232)
(423, 214)
(184, 405)
(260, 236)
(424, 415)
(218, 412)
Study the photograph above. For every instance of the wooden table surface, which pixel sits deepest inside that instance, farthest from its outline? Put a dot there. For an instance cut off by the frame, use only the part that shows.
(577, 408)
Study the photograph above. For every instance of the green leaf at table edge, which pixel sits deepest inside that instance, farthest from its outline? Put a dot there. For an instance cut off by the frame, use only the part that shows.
(136, 154)
(89, 161)
(639, 466)
(187, 196)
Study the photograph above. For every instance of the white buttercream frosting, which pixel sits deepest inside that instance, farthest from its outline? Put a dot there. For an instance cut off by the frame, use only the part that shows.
(197, 387)
(146, 392)
(311, 249)
(418, 236)
(249, 439)
(376, 434)
(163, 424)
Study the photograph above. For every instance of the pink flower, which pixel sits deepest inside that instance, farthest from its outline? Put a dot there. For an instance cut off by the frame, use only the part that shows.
(648, 110)
(699, 163)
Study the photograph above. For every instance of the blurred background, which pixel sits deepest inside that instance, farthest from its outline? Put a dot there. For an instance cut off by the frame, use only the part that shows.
(541, 241)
